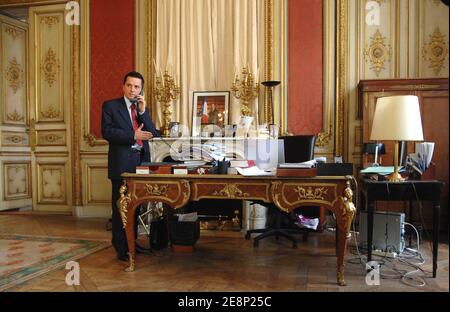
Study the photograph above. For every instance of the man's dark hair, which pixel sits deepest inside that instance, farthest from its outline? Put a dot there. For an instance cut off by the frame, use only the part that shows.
(134, 75)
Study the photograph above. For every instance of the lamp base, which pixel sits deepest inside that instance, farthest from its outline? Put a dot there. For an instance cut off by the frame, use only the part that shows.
(396, 177)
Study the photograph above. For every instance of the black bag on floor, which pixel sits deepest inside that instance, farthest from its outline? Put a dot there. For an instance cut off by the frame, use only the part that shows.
(159, 236)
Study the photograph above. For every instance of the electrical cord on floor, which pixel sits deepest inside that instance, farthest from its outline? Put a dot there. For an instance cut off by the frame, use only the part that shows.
(419, 204)
(405, 276)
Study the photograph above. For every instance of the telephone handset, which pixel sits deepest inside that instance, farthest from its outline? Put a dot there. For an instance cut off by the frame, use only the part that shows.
(135, 99)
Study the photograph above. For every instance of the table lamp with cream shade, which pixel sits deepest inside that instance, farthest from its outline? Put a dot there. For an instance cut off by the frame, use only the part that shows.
(397, 118)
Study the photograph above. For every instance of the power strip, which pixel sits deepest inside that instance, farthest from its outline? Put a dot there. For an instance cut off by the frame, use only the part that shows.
(384, 254)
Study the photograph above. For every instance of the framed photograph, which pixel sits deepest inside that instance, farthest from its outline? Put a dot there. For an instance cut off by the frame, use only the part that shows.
(210, 111)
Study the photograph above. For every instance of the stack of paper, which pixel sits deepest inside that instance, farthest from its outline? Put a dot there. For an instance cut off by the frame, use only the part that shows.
(305, 164)
(254, 172)
(424, 151)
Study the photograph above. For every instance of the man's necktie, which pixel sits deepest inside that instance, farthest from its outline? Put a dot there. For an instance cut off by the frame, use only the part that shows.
(135, 124)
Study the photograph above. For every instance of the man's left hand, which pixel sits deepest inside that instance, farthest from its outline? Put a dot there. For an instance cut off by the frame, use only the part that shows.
(141, 103)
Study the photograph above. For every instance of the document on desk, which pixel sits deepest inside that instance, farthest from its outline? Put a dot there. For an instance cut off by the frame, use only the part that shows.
(381, 170)
(255, 172)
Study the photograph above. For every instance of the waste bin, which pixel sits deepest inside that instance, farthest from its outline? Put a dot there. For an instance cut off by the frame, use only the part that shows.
(184, 233)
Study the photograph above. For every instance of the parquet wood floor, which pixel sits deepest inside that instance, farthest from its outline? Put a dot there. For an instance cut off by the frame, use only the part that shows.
(221, 261)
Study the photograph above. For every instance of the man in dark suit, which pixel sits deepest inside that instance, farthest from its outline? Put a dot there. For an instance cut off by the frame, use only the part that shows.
(127, 126)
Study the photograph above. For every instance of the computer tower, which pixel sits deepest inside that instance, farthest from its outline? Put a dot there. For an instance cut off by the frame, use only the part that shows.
(388, 231)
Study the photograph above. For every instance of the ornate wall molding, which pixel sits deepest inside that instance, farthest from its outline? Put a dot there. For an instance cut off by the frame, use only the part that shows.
(268, 56)
(14, 139)
(15, 75)
(13, 32)
(341, 89)
(50, 67)
(90, 138)
(51, 113)
(53, 138)
(16, 180)
(378, 52)
(15, 117)
(323, 138)
(52, 186)
(49, 20)
(435, 51)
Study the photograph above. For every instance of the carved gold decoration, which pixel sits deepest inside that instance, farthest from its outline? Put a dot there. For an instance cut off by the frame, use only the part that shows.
(14, 75)
(13, 32)
(76, 119)
(51, 113)
(15, 116)
(378, 53)
(323, 138)
(49, 20)
(309, 194)
(50, 67)
(52, 138)
(15, 139)
(186, 192)
(268, 55)
(341, 88)
(349, 209)
(123, 202)
(132, 263)
(156, 189)
(436, 51)
(92, 140)
(231, 191)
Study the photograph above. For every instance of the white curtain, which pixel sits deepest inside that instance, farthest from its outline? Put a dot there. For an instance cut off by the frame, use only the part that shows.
(203, 43)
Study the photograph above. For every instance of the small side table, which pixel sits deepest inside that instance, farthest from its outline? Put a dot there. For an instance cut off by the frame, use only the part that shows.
(402, 191)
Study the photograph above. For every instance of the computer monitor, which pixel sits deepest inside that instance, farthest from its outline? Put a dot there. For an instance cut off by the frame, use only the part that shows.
(267, 153)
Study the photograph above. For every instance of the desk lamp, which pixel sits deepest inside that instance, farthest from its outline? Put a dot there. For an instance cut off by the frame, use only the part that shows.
(397, 118)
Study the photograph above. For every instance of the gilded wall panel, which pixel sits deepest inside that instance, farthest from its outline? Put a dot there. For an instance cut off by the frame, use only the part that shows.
(52, 184)
(51, 138)
(13, 93)
(433, 39)
(16, 182)
(98, 186)
(376, 38)
(50, 59)
(14, 139)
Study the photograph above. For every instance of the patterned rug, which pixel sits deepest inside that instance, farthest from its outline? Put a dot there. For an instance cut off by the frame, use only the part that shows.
(25, 257)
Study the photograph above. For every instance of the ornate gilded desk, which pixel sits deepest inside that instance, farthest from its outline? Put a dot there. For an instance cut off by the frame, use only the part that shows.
(287, 193)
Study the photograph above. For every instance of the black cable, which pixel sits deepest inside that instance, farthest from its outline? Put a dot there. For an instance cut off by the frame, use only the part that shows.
(419, 204)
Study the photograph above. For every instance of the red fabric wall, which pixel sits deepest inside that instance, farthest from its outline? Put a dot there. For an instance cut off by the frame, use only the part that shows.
(305, 67)
(111, 52)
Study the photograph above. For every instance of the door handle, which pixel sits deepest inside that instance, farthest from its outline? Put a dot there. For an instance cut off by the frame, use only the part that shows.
(33, 134)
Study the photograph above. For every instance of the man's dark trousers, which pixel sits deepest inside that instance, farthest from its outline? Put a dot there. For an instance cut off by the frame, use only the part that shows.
(119, 239)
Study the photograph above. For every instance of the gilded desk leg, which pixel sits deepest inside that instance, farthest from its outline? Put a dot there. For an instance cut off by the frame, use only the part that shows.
(344, 223)
(131, 266)
(341, 247)
(129, 230)
(127, 211)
